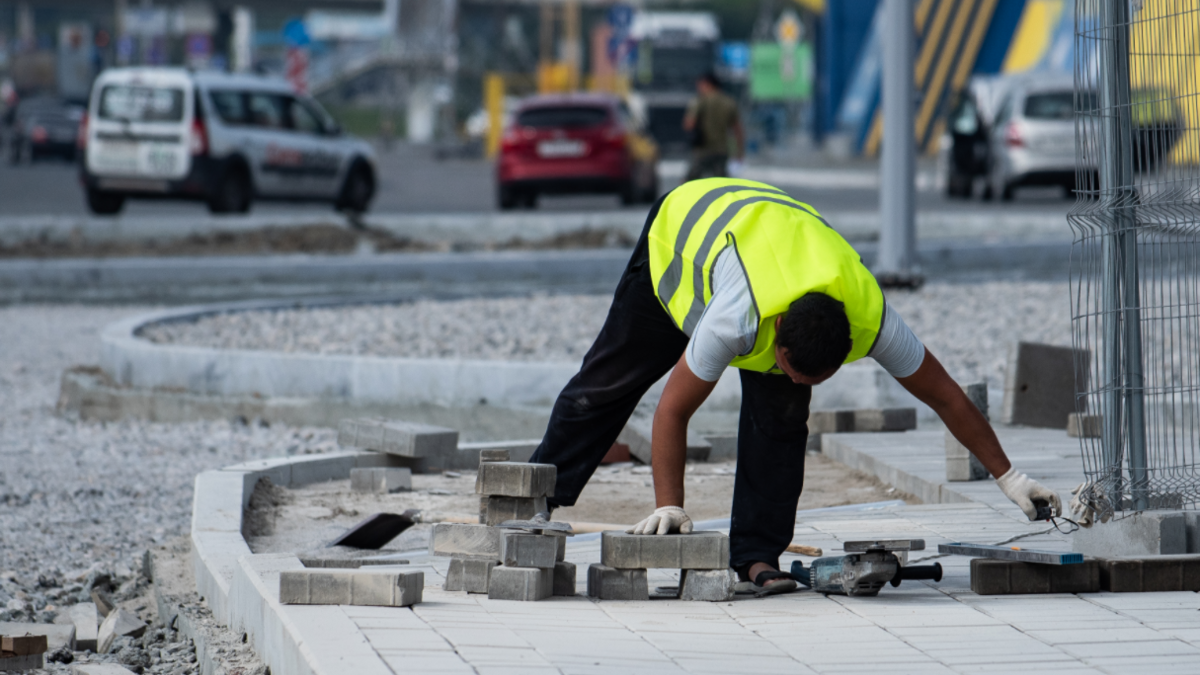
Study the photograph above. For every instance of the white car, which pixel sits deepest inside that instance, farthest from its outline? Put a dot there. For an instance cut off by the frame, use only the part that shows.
(222, 139)
(1032, 140)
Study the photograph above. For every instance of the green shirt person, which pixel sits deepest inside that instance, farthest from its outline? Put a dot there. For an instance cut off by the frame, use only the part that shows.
(712, 120)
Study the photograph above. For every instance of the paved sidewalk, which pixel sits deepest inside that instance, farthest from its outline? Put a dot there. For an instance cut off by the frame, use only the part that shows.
(920, 627)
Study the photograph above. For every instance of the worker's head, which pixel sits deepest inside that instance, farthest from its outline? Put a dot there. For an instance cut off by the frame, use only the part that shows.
(708, 83)
(812, 339)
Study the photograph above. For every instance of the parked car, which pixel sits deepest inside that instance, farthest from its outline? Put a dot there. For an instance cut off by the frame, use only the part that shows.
(577, 143)
(44, 127)
(1033, 139)
(219, 138)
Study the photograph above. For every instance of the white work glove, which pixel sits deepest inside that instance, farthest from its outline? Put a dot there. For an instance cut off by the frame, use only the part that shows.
(1023, 491)
(1088, 506)
(666, 520)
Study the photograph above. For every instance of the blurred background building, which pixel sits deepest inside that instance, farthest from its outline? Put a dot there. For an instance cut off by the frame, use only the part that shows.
(806, 72)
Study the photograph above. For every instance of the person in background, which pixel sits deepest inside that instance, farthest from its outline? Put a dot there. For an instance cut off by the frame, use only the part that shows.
(711, 118)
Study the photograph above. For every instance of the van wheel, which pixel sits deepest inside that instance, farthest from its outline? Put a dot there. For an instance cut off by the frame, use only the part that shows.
(233, 194)
(104, 203)
(357, 191)
(506, 198)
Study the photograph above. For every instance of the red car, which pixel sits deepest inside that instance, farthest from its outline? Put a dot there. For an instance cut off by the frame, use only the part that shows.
(572, 144)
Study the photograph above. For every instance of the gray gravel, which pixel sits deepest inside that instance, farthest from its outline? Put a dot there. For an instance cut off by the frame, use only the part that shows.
(967, 325)
(80, 502)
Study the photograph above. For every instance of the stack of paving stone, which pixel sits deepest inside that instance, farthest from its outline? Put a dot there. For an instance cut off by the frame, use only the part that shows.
(701, 557)
(507, 564)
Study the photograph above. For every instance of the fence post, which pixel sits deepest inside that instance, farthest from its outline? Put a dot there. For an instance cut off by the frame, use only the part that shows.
(897, 235)
(1122, 306)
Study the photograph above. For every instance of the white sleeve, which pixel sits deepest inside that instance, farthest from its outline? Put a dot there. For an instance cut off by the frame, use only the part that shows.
(897, 348)
(729, 326)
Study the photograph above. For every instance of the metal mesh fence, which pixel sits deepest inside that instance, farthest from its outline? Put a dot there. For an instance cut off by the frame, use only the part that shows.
(1135, 282)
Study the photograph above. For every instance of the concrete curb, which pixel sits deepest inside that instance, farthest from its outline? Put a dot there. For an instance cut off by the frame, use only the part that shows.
(241, 588)
(927, 491)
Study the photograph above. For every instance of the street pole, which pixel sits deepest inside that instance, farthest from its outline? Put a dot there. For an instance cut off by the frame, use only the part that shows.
(897, 235)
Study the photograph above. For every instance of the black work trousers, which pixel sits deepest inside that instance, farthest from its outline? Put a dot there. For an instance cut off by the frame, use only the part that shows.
(637, 346)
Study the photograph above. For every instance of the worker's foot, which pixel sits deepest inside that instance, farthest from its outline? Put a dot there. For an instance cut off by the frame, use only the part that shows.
(762, 579)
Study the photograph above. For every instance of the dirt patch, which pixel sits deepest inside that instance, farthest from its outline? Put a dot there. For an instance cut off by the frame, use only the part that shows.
(307, 518)
(325, 239)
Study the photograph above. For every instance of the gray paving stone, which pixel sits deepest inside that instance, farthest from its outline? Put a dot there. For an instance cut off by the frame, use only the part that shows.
(699, 550)
(494, 455)
(707, 585)
(724, 447)
(119, 623)
(564, 577)
(467, 574)
(98, 669)
(436, 445)
(522, 549)
(561, 554)
(381, 480)
(15, 664)
(378, 587)
(465, 540)
(1081, 425)
(1007, 577)
(885, 419)
(496, 510)
(1039, 384)
(830, 421)
(607, 583)
(1155, 574)
(521, 583)
(1143, 534)
(516, 479)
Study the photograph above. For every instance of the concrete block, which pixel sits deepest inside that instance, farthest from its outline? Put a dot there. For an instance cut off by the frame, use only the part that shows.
(707, 585)
(464, 540)
(380, 480)
(564, 577)
(493, 455)
(1039, 384)
(119, 623)
(1080, 425)
(638, 432)
(379, 588)
(961, 465)
(521, 549)
(99, 669)
(607, 583)
(12, 664)
(724, 447)
(885, 419)
(1007, 577)
(561, 553)
(436, 445)
(56, 634)
(496, 510)
(1156, 574)
(699, 550)
(1142, 534)
(516, 479)
(348, 557)
(467, 574)
(86, 622)
(521, 583)
(830, 421)
(23, 645)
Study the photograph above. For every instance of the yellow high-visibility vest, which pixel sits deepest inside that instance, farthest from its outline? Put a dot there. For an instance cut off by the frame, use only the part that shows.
(784, 246)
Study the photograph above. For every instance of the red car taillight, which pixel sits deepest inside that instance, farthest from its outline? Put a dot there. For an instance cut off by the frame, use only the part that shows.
(81, 134)
(1012, 136)
(198, 141)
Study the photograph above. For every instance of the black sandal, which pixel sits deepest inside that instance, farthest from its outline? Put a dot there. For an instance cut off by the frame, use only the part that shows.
(760, 588)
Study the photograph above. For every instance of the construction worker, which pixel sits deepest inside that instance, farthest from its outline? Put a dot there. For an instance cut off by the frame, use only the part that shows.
(732, 272)
(712, 119)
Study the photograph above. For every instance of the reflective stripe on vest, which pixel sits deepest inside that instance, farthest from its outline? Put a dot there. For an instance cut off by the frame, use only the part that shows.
(765, 227)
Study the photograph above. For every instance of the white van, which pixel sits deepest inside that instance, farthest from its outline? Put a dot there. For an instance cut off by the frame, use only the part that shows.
(218, 138)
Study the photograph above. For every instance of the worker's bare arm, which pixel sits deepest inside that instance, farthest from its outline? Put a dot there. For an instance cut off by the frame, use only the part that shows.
(680, 398)
(934, 386)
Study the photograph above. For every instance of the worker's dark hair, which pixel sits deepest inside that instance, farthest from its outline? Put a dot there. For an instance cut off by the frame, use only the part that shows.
(711, 78)
(816, 333)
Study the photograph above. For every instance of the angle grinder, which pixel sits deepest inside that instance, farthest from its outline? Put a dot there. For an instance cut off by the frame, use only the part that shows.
(869, 565)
